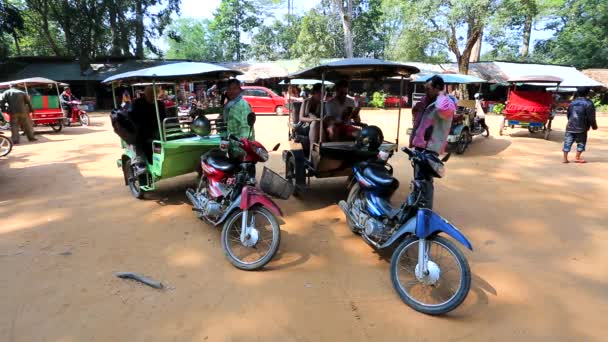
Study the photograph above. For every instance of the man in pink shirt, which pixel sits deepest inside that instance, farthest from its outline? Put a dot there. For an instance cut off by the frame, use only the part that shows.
(432, 117)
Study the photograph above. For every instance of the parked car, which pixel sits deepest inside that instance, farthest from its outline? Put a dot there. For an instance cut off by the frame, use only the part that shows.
(263, 100)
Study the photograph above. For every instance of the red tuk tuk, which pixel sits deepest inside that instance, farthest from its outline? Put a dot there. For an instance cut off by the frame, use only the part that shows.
(530, 107)
(44, 94)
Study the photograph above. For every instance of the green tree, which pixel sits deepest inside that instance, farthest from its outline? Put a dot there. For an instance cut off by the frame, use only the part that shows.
(440, 22)
(232, 19)
(193, 39)
(318, 38)
(11, 23)
(406, 39)
(581, 37)
(274, 42)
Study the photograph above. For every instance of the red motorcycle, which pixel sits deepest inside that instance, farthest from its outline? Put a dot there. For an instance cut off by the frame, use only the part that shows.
(227, 193)
(77, 115)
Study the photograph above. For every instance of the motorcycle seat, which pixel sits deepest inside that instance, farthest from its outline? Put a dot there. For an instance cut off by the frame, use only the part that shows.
(379, 176)
(220, 162)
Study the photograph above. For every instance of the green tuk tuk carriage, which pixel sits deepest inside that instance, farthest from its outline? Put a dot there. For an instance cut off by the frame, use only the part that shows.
(178, 149)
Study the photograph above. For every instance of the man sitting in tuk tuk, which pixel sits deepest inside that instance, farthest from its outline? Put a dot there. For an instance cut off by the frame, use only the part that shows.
(311, 113)
(432, 117)
(235, 115)
(339, 111)
(143, 116)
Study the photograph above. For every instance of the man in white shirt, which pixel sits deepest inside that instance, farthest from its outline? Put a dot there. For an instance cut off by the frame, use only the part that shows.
(339, 112)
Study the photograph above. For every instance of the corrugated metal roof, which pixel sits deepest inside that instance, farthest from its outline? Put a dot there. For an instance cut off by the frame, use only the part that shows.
(600, 75)
(498, 72)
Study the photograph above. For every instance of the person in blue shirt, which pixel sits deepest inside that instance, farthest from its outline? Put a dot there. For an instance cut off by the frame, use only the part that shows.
(581, 117)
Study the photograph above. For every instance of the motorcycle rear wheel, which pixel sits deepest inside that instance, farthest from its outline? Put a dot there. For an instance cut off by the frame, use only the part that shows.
(352, 195)
(231, 239)
(6, 145)
(410, 295)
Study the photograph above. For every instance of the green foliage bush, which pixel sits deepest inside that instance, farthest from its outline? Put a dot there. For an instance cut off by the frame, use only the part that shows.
(378, 99)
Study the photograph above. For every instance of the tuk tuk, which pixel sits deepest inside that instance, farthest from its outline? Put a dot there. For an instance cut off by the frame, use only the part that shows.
(465, 124)
(178, 150)
(44, 95)
(323, 159)
(529, 104)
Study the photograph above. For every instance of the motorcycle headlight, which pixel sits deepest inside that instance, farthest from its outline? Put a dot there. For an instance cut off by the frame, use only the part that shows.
(262, 153)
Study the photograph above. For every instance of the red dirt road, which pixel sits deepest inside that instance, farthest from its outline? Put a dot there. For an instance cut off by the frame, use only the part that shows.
(68, 224)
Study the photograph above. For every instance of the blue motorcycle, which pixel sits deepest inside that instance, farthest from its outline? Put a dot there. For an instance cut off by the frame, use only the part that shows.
(428, 271)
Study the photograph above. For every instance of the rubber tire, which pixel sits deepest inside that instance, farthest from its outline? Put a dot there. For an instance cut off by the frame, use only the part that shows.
(10, 146)
(84, 119)
(462, 147)
(462, 293)
(352, 194)
(279, 111)
(274, 247)
(57, 127)
(290, 167)
(137, 192)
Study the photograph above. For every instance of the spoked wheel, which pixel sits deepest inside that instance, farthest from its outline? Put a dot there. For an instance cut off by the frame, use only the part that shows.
(256, 249)
(446, 283)
(463, 141)
(57, 126)
(290, 175)
(6, 145)
(134, 182)
(84, 119)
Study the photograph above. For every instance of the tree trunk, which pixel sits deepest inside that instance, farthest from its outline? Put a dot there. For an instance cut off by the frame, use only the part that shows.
(124, 35)
(476, 53)
(139, 29)
(17, 47)
(346, 14)
(525, 46)
(114, 29)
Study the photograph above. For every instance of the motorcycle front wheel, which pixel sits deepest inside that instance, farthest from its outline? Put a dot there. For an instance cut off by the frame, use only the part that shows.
(259, 247)
(445, 286)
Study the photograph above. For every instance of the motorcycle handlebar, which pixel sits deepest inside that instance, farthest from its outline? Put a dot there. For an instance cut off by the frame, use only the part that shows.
(409, 152)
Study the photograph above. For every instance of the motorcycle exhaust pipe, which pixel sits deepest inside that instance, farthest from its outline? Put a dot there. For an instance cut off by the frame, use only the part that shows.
(342, 204)
(191, 195)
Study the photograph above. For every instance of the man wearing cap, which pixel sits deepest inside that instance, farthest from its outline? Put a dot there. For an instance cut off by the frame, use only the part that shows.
(19, 109)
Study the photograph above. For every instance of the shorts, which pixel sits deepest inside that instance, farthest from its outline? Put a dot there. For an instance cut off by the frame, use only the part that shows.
(579, 138)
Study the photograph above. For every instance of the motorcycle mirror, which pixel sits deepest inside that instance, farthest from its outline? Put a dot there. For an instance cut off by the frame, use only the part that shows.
(276, 147)
(446, 158)
(251, 119)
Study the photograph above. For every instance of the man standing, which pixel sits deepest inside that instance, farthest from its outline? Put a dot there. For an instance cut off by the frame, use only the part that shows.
(581, 117)
(19, 108)
(432, 117)
(235, 114)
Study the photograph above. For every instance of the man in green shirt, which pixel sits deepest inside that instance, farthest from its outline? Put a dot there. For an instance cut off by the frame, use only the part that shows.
(235, 115)
(19, 108)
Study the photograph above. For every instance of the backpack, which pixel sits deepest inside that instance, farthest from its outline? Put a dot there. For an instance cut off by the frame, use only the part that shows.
(123, 126)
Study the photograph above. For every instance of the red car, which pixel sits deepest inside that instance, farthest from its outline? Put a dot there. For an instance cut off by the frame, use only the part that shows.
(263, 100)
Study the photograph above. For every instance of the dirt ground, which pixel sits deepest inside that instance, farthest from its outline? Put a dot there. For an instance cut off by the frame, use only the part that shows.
(538, 228)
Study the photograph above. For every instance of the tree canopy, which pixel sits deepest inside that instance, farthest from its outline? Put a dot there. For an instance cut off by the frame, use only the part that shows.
(407, 30)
